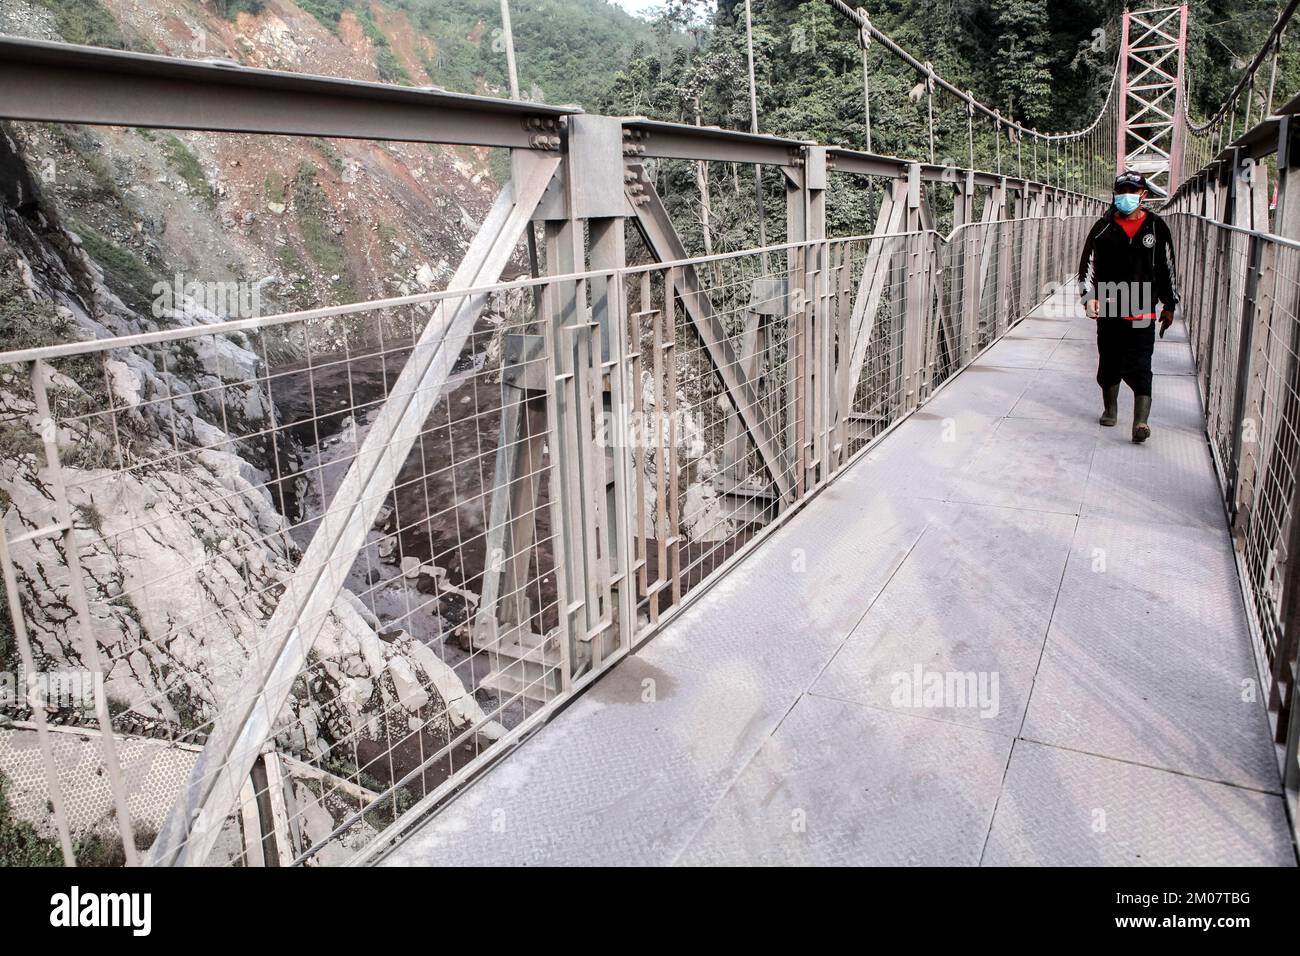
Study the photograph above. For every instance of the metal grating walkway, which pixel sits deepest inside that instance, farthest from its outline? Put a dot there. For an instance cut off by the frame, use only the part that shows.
(998, 533)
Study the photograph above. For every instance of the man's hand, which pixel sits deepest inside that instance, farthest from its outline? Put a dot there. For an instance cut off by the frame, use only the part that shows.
(1093, 309)
(1166, 320)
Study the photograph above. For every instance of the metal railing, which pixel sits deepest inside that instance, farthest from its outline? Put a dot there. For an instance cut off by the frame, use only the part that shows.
(1237, 231)
(1243, 311)
(572, 484)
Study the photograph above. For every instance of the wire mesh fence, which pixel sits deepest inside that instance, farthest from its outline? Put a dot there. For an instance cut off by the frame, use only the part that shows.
(222, 527)
(1244, 324)
(180, 548)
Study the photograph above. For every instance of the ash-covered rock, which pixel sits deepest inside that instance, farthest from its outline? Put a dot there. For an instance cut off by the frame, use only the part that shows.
(182, 534)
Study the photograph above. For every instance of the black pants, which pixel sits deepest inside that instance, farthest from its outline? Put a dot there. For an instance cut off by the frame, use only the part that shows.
(1124, 353)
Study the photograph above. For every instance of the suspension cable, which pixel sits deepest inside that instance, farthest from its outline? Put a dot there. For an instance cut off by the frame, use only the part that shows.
(926, 71)
(1272, 43)
(864, 41)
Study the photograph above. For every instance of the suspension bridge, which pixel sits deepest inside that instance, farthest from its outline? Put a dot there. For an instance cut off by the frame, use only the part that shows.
(810, 553)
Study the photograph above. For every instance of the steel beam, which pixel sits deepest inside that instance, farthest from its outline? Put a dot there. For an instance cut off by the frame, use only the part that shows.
(655, 139)
(61, 83)
(970, 275)
(857, 163)
(65, 83)
(607, 250)
(808, 374)
(875, 273)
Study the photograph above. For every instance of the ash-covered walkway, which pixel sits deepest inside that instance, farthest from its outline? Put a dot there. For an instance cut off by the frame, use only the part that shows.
(809, 708)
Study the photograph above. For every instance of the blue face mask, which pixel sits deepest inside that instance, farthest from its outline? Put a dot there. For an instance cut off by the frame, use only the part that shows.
(1127, 203)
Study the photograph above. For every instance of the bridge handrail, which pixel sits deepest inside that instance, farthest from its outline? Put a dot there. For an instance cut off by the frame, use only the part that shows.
(163, 336)
(1241, 302)
(1240, 230)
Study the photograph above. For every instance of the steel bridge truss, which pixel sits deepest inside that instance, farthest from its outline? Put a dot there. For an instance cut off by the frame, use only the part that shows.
(1153, 53)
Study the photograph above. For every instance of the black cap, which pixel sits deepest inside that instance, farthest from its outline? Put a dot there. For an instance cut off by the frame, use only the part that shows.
(1132, 180)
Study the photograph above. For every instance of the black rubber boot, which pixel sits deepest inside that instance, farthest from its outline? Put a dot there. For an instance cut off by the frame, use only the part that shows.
(1141, 409)
(1110, 414)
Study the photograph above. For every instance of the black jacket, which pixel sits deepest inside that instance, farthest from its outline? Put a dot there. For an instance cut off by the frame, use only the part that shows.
(1112, 261)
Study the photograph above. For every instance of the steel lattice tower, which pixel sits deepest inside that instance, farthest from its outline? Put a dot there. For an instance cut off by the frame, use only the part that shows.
(1152, 62)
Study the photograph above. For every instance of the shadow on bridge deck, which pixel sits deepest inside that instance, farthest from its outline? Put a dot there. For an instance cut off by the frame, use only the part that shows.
(1084, 585)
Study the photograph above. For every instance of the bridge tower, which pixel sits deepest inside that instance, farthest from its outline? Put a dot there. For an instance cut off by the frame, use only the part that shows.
(1153, 53)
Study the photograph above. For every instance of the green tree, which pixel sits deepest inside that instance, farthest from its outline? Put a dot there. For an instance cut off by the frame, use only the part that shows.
(1023, 59)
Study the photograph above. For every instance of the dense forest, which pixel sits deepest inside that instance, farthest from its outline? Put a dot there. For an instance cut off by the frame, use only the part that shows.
(1046, 63)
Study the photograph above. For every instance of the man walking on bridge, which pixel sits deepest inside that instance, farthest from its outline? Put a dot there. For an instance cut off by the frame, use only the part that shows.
(1127, 267)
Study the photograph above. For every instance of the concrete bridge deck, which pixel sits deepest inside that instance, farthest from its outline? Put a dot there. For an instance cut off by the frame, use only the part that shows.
(1084, 585)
